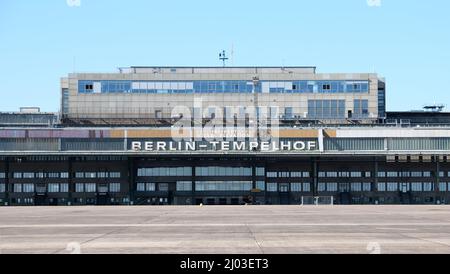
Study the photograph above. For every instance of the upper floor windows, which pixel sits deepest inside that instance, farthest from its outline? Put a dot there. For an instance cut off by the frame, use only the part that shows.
(168, 87)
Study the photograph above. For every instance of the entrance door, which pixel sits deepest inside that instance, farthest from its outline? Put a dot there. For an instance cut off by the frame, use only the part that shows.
(344, 193)
(284, 193)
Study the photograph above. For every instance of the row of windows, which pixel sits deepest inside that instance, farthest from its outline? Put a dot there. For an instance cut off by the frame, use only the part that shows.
(333, 187)
(149, 187)
(63, 188)
(224, 186)
(165, 171)
(344, 174)
(284, 187)
(64, 175)
(395, 174)
(322, 109)
(286, 174)
(404, 187)
(223, 171)
(93, 175)
(40, 175)
(170, 87)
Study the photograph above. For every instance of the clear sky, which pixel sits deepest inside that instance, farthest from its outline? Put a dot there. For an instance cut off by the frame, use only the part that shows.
(406, 41)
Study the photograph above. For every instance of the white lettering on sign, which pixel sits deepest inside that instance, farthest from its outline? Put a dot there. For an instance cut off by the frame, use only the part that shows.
(224, 146)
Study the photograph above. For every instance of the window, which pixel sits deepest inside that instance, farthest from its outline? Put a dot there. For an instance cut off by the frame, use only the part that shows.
(64, 188)
(428, 186)
(392, 186)
(426, 174)
(381, 187)
(114, 187)
(441, 174)
(415, 174)
(416, 186)
(224, 186)
(272, 187)
(163, 171)
(306, 187)
(331, 109)
(306, 174)
(90, 175)
(143, 187)
(322, 174)
(114, 175)
(331, 187)
(260, 171)
(90, 187)
(332, 174)
(368, 174)
(28, 175)
(2, 175)
(272, 174)
(321, 187)
(355, 174)
(102, 174)
(79, 174)
(2, 188)
(381, 174)
(283, 175)
(296, 174)
(184, 186)
(442, 187)
(17, 188)
(28, 188)
(392, 174)
(79, 187)
(53, 188)
(296, 187)
(64, 175)
(261, 185)
(17, 175)
(361, 108)
(367, 187)
(41, 175)
(356, 187)
(163, 187)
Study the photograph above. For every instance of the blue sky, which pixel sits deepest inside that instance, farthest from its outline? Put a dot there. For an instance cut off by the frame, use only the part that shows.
(405, 41)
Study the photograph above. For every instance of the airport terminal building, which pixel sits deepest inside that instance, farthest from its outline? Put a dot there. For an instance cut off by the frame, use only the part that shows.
(223, 135)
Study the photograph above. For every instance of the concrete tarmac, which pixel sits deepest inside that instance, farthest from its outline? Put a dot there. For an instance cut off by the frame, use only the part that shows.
(225, 229)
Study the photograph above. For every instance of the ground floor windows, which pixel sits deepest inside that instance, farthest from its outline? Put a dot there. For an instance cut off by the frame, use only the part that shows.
(224, 186)
(114, 187)
(2, 188)
(272, 187)
(184, 186)
(261, 185)
(146, 187)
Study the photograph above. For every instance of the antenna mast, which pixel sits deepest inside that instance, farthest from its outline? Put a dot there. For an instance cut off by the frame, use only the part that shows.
(223, 57)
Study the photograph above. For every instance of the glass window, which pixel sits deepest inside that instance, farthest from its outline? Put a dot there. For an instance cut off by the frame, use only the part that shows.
(428, 186)
(163, 187)
(272, 187)
(356, 187)
(321, 187)
(260, 171)
(272, 174)
(416, 174)
(442, 187)
(2, 188)
(90, 187)
(355, 174)
(53, 188)
(2, 175)
(381, 174)
(331, 187)
(392, 186)
(114, 175)
(79, 174)
(392, 174)
(79, 187)
(64, 175)
(184, 186)
(367, 187)
(114, 187)
(17, 175)
(90, 175)
(306, 187)
(381, 186)
(64, 188)
(296, 187)
(416, 186)
(426, 174)
(28, 188)
(261, 185)
(17, 188)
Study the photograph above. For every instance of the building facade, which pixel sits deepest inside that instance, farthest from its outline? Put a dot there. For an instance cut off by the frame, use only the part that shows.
(122, 139)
